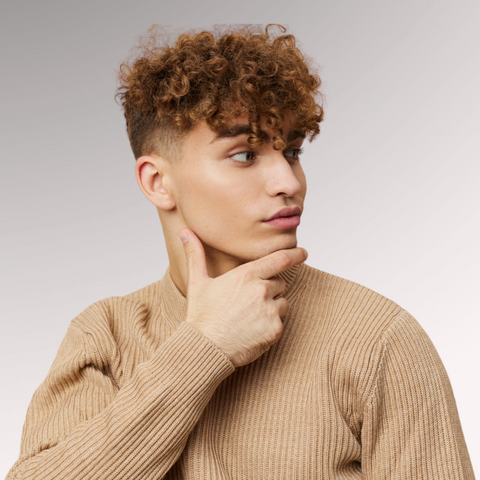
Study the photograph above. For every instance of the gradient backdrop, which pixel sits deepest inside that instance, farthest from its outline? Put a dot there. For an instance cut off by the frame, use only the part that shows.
(393, 200)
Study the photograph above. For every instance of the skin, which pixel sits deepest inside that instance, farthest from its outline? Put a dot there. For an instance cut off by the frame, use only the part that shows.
(223, 198)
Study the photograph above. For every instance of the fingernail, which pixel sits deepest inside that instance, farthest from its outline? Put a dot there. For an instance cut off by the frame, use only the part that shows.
(183, 236)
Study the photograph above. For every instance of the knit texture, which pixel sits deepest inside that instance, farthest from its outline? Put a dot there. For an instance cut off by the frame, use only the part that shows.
(354, 389)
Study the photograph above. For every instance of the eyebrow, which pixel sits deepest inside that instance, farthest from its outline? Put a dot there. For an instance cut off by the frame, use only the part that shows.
(238, 130)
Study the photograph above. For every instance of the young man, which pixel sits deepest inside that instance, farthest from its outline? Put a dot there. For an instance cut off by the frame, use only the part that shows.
(242, 361)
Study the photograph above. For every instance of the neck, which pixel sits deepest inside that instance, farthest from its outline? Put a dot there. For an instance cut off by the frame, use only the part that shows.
(217, 262)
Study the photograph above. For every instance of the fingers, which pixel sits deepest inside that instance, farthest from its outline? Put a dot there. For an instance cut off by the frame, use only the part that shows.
(264, 268)
(195, 254)
(277, 262)
(283, 306)
(277, 286)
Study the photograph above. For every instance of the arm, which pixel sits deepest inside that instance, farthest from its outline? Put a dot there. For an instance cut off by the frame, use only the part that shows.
(411, 429)
(80, 425)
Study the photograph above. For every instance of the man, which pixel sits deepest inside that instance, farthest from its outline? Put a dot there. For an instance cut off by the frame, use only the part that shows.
(242, 361)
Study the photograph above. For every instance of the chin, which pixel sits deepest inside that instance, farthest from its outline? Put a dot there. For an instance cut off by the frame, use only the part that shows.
(274, 245)
(258, 249)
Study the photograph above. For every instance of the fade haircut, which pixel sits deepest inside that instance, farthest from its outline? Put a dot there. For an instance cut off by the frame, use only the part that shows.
(214, 77)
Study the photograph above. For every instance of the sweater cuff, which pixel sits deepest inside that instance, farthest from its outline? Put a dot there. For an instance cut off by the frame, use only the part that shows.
(190, 363)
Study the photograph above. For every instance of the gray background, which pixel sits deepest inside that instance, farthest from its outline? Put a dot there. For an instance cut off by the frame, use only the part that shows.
(391, 200)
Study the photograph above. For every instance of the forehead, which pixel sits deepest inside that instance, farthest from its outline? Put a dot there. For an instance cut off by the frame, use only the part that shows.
(240, 127)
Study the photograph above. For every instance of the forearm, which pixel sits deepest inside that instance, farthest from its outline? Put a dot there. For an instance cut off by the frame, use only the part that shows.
(144, 430)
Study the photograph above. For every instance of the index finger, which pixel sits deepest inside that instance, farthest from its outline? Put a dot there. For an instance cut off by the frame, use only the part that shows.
(279, 261)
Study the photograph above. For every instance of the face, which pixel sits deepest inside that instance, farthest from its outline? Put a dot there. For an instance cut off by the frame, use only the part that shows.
(225, 191)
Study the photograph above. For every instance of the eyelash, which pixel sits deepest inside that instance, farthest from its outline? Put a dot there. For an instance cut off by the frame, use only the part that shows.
(298, 150)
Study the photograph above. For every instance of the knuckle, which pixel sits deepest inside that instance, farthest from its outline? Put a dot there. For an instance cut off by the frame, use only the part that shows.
(278, 332)
(246, 274)
(285, 307)
(284, 259)
(190, 254)
(262, 290)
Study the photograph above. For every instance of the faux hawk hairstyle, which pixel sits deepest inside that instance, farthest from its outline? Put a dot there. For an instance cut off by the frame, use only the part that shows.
(214, 77)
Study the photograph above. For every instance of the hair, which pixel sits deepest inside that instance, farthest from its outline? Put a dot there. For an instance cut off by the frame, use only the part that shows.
(215, 77)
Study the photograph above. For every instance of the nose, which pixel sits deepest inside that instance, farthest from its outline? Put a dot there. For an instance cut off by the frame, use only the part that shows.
(282, 177)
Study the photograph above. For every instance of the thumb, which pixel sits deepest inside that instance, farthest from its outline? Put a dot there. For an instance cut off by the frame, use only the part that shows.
(195, 255)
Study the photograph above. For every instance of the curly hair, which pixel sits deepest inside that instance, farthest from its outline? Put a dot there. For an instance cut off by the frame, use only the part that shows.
(215, 77)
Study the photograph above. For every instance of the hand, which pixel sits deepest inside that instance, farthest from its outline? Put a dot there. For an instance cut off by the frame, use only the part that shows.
(238, 310)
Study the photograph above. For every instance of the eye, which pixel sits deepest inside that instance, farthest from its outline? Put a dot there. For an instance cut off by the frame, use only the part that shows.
(294, 153)
(244, 157)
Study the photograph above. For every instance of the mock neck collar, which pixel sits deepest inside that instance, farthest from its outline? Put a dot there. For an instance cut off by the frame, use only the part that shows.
(174, 303)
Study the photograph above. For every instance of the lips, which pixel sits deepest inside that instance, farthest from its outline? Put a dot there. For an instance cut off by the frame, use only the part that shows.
(286, 212)
(286, 218)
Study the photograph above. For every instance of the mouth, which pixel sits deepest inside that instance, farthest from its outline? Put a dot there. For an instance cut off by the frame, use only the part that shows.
(287, 217)
(291, 221)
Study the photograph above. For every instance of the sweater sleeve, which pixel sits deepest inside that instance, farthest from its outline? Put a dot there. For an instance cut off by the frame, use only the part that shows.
(411, 428)
(80, 424)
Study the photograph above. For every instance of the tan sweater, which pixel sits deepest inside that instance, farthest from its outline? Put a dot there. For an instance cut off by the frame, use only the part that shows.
(354, 389)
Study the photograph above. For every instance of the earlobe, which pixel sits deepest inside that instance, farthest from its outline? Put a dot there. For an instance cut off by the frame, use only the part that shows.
(153, 179)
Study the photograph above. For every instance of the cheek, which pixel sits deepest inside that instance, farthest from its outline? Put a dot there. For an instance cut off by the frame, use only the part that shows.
(207, 204)
(224, 191)
(220, 205)
(225, 216)
(242, 201)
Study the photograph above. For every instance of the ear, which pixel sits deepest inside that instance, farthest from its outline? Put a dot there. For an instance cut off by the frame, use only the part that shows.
(153, 178)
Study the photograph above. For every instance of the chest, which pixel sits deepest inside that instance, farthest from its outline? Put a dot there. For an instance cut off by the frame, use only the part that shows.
(277, 417)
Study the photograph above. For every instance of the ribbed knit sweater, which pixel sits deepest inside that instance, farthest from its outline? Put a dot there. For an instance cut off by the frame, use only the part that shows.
(354, 389)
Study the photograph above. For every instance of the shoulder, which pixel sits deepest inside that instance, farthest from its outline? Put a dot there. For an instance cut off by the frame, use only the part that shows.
(115, 331)
(106, 312)
(353, 323)
(342, 301)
